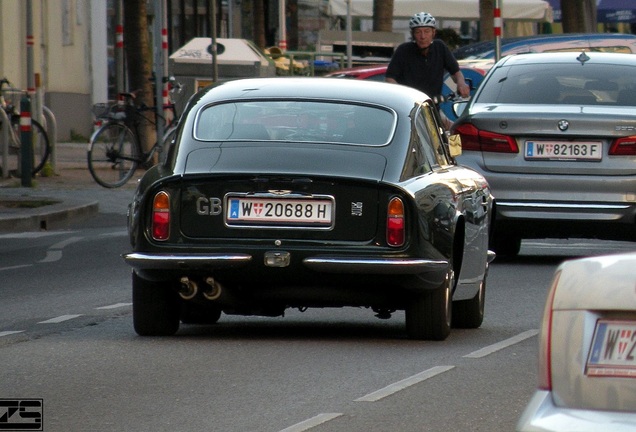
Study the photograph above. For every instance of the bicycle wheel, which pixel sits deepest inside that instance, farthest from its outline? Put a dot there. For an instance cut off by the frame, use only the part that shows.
(41, 147)
(113, 155)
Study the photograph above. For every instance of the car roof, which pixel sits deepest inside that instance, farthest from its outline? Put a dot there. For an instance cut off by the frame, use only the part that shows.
(568, 56)
(372, 92)
(509, 44)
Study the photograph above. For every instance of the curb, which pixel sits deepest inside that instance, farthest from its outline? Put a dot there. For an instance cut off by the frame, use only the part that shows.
(45, 217)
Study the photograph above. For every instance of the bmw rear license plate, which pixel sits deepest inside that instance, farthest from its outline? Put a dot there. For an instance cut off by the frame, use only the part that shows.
(315, 212)
(564, 150)
(613, 350)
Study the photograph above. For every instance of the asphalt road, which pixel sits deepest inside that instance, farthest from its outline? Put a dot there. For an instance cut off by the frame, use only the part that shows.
(66, 339)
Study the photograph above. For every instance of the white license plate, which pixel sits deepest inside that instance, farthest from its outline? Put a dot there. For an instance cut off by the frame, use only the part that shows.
(279, 211)
(613, 350)
(564, 150)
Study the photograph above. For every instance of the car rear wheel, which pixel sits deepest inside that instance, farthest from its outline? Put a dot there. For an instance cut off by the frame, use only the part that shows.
(428, 316)
(155, 308)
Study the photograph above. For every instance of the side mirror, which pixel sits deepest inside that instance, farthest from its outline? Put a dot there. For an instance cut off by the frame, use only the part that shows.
(459, 107)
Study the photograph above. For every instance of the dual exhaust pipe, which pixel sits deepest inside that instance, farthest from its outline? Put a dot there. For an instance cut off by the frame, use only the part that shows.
(189, 288)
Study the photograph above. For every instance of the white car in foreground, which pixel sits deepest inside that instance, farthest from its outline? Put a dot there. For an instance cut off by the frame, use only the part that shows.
(587, 352)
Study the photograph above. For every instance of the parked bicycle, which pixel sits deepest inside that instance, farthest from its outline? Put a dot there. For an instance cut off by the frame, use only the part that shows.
(40, 139)
(115, 151)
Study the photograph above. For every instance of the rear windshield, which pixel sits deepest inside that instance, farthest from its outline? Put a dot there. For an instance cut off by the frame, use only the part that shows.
(589, 84)
(297, 121)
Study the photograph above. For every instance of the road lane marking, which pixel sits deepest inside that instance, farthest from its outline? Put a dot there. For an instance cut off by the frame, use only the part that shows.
(52, 256)
(33, 234)
(401, 385)
(114, 306)
(54, 253)
(7, 333)
(120, 233)
(503, 344)
(59, 319)
(312, 422)
(15, 267)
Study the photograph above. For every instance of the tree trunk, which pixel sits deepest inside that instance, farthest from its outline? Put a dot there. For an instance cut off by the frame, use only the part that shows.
(578, 16)
(486, 20)
(138, 59)
(259, 24)
(383, 15)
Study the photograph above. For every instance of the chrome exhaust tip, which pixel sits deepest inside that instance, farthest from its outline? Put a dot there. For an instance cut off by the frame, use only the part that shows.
(188, 289)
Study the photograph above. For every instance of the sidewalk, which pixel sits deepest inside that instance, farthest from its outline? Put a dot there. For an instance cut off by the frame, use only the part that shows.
(69, 193)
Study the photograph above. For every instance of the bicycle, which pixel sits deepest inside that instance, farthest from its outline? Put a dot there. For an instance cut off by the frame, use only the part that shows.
(114, 151)
(40, 139)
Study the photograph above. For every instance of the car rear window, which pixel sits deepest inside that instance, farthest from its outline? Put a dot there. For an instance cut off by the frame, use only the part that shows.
(572, 83)
(295, 121)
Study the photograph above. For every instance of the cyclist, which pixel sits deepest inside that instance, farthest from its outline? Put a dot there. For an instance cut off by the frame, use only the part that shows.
(421, 62)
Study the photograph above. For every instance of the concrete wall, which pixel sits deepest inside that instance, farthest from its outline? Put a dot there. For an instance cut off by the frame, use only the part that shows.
(69, 55)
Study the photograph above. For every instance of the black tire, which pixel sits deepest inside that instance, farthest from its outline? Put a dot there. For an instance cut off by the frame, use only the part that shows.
(113, 155)
(429, 315)
(156, 307)
(41, 147)
(469, 313)
(195, 313)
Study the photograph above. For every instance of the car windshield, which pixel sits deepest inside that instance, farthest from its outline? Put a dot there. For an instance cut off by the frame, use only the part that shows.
(572, 83)
(297, 121)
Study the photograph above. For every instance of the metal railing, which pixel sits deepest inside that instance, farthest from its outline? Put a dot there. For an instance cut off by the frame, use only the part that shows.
(295, 57)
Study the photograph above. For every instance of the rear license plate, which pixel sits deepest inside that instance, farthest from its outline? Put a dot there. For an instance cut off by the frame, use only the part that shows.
(286, 212)
(560, 150)
(613, 351)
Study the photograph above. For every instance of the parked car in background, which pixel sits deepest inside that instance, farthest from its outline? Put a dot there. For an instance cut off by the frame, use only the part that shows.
(603, 42)
(474, 73)
(310, 192)
(555, 136)
(587, 348)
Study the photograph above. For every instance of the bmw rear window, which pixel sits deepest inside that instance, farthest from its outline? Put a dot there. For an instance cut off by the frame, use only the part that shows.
(558, 84)
(295, 121)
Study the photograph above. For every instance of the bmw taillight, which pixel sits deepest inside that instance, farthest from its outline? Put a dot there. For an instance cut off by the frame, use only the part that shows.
(161, 216)
(395, 224)
(545, 338)
(479, 140)
(625, 146)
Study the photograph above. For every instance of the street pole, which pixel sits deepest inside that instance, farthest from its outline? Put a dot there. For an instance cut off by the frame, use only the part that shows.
(349, 36)
(213, 50)
(282, 25)
(158, 50)
(119, 47)
(498, 23)
(26, 134)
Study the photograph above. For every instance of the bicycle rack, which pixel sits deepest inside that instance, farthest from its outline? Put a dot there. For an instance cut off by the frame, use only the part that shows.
(50, 125)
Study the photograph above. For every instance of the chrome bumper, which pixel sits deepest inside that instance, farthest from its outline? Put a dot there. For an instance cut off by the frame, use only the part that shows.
(323, 264)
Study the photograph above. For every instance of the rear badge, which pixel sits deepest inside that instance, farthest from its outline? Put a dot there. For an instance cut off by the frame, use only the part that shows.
(356, 208)
(563, 125)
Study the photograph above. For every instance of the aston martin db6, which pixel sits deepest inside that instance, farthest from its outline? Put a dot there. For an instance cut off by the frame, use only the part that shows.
(304, 193)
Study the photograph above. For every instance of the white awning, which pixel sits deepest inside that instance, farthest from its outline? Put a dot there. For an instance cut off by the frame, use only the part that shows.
(460, 10)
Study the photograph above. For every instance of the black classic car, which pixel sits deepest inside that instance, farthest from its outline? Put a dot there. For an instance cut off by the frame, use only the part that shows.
(310, 192)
